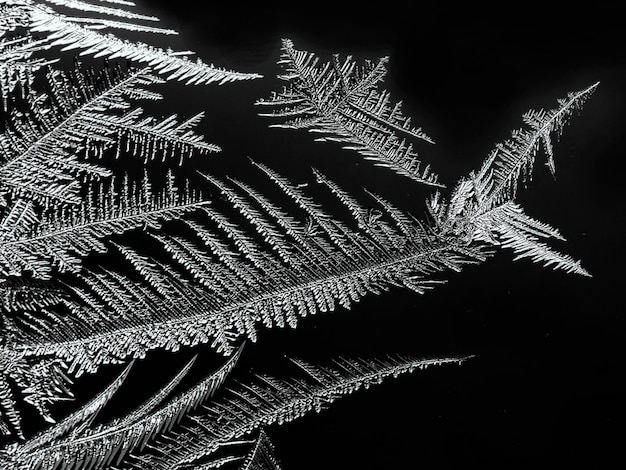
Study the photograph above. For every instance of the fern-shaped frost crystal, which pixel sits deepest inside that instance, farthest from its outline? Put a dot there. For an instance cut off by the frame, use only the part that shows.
(244, 284)
(41, 146)
(268, 400)
(84, 33)
(313, 266)
(481, 207)
(341, 101)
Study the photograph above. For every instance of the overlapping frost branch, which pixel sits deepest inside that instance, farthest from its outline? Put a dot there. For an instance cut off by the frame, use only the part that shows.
(76, 443)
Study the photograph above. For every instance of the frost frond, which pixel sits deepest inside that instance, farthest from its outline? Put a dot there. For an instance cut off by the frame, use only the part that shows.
(70, 31)
(240, 283)
(41, 147)
(75, 443)
(266, 400)
(507, 226)
(481, 208)
(512, 160)
(340, 100)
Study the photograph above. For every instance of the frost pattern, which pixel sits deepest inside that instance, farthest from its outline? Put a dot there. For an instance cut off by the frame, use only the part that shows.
(341, 101)
(265, 400)
(84, 33)
(482, 208)
(76, 443)
(81, 114)
(233, 266)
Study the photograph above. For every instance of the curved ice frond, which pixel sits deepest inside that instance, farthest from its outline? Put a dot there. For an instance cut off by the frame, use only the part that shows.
(64, 28)
(266, 400)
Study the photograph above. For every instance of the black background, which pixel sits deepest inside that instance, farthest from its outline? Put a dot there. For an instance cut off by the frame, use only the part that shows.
(545, 386)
